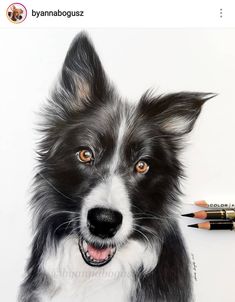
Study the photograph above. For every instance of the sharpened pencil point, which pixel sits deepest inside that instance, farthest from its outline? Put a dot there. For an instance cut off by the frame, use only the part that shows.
(193, 225)
(188, 215)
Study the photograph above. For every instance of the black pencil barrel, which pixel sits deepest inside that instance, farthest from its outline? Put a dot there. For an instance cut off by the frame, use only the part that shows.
(221, 225)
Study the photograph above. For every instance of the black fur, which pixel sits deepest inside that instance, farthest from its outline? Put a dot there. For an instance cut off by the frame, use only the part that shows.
(85, 112)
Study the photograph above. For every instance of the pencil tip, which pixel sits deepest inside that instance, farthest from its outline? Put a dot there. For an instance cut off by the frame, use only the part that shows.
(188, 215)
(193, 225)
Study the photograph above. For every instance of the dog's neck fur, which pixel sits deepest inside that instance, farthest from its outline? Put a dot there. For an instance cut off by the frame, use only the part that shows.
(73, 280)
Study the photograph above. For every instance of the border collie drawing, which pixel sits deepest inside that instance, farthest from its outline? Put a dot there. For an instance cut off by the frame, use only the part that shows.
(106, 191)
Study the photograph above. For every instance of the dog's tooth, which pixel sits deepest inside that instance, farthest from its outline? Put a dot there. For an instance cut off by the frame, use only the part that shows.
(85, 245)
(89, 256)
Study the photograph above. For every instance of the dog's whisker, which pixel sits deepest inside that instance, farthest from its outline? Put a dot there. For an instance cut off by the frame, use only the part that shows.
(58, 191)
(59, 213)
(68, 222)
(76, 219)
(149, 230)
(74, 229)
(59, 226)
(152, 214)
(150, 217)
(145, 237)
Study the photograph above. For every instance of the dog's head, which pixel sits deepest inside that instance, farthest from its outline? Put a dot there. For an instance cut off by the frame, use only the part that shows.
(109, 170)
(16, 13)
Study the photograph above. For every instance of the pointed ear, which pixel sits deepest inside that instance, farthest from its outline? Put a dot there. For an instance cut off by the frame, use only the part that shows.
(83, 76)
(175, 113)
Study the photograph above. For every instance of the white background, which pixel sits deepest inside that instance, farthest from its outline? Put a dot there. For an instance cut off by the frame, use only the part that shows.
(169, 60)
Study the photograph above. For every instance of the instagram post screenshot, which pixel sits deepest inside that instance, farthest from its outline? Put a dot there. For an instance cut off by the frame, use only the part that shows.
(117, 151)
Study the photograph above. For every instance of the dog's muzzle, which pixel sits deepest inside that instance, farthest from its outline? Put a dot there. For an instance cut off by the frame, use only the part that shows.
(104, 224)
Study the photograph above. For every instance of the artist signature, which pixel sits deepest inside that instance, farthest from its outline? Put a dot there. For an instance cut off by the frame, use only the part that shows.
(194, 265)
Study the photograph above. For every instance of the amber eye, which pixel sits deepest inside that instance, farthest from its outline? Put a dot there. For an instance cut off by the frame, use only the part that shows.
(84, 156)
(141, 167)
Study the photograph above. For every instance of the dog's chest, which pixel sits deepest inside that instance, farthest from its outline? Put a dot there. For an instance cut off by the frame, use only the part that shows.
(72, 280)
(95, 290)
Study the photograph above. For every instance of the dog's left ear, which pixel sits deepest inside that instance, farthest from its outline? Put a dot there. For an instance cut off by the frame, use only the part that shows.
(83, 76)
(176, 113)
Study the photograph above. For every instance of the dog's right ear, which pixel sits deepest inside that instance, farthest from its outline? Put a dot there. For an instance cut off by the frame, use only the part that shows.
(83, 76)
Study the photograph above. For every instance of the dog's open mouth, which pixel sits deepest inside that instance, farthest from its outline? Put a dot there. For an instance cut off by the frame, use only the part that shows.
(96, 256)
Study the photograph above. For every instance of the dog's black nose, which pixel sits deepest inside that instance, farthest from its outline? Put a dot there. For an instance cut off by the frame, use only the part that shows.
(103, 222)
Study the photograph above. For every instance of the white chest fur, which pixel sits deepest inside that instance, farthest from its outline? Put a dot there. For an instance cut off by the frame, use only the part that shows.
(74, 281)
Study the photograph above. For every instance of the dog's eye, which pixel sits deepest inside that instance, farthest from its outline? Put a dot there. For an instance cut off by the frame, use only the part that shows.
(84, 156)
(141, 167)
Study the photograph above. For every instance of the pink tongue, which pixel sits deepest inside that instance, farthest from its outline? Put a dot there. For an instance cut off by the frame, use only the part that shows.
(98, 254)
